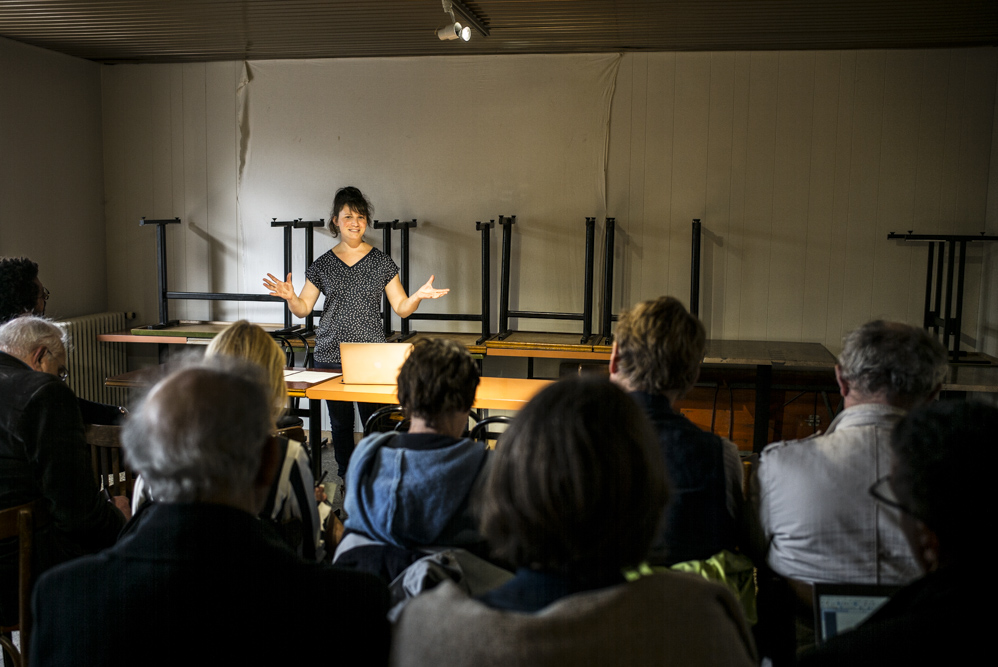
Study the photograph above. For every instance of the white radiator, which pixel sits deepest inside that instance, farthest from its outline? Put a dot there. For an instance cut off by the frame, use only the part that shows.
(91, 361)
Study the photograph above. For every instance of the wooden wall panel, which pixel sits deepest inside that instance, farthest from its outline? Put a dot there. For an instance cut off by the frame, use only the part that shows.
(734, 243)
(689, 164)
(756, 250)
(861, 232)
(51, 182)
(798, 163)
(819, 241)
(636, 232)
(222, 212)
(717, 207)
(198, 272)
(892, 260)
(658, 171)
(792, 165)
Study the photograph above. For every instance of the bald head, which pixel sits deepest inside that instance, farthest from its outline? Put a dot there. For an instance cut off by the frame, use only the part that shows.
(200, 434)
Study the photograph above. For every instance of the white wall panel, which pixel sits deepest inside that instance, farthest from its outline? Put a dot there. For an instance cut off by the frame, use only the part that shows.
(51, 183)
(799, 163)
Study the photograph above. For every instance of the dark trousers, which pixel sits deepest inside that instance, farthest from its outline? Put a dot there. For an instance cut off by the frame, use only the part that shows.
(341, 424)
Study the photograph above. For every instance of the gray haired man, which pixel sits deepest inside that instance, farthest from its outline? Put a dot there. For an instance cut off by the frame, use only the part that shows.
(44, 456)
(198, 568)
(816, 521)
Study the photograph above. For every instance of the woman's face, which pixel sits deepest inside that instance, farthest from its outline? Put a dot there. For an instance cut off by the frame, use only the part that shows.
(351, 224)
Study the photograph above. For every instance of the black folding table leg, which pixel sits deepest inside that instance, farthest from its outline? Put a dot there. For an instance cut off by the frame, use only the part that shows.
(763, 387)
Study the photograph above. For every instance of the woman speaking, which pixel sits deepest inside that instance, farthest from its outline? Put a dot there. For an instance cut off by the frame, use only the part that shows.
(352, 276)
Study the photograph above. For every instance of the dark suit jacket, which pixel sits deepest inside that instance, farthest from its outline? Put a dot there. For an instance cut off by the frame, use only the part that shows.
(206, 584)
(43, 455)
(940, 619)
(696, 523)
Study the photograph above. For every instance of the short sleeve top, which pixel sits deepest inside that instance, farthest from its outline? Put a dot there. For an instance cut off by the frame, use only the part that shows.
(352, 312)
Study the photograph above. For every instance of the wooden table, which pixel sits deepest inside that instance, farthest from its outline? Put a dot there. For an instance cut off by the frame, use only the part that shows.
(297, 388)
(492, 394)
(982, 378)
(765, 356)
(547, 345)
(192, 332)
(469, 340)
(532, 345)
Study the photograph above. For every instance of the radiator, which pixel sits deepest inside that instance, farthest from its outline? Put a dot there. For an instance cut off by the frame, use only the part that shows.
(90, 361)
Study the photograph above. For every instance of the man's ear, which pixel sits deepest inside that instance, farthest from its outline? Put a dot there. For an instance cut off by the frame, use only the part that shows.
(35, 360)
(926, 547)
(613, 359)
(935, 393)
(842, 382)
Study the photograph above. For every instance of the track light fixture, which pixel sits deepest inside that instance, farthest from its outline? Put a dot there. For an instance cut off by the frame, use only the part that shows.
(454, 29)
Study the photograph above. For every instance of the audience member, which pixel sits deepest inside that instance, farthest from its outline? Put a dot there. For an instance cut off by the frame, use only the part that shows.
(22, 293)
(940, 487)
(44, 457)
(291, 504)
(198, 574)
(575, 494)
(410, 490)
(815, 520)
(656, 356)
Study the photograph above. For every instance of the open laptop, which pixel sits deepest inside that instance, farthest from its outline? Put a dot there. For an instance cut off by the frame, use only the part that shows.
(373, 363)
(839, 607)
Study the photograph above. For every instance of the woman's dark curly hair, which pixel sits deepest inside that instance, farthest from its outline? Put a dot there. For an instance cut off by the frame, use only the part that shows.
(18, 291)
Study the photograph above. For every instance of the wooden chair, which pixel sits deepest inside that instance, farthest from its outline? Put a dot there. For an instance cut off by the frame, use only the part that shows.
(481, 429)
(19, 522)
(292, 427)
(387, 418)
(110, 469)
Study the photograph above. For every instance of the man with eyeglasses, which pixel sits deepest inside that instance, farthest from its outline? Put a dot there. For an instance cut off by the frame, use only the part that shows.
(22, 293)
(941, 487)
(44, 456)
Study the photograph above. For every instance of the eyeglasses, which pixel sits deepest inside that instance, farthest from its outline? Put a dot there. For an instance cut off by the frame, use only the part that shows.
(45, 294)
(62, 372)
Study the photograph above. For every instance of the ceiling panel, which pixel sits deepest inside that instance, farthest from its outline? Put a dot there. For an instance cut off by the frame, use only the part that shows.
(204, 30)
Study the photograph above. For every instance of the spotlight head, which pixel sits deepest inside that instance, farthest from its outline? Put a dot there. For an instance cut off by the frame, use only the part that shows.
(453, 31)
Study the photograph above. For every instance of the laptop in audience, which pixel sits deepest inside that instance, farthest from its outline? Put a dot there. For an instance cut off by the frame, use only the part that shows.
(839, 607)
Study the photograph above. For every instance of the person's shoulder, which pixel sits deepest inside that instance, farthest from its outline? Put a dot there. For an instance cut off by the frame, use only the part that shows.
(375, 441)
(82, 578)
(383, 260)
(47, 392)
(347, 583)
(447, 600)
(785, 450)
(323, 263)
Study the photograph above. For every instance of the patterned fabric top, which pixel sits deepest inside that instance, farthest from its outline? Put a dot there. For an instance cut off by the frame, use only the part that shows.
(352, 312)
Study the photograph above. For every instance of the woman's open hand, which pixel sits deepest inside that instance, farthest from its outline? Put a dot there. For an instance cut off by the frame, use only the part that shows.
(278, 287)
(427, 291)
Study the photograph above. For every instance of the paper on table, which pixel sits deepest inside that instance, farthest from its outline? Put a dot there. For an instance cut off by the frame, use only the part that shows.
(313, 376)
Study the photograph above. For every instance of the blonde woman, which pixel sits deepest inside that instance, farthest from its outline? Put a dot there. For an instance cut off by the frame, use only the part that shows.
(291, 506)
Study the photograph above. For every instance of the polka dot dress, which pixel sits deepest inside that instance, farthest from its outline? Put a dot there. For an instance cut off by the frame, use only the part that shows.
(352, 312)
